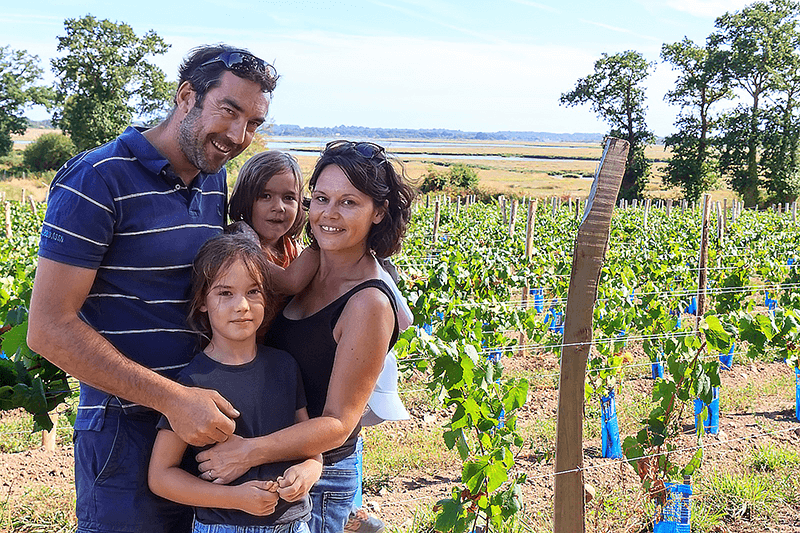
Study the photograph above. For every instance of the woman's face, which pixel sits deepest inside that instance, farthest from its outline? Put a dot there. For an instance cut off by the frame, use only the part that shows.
(341, 216)
(275, 209)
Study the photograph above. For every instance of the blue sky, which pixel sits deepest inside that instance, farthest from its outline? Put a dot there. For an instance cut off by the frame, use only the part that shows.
(471, 65)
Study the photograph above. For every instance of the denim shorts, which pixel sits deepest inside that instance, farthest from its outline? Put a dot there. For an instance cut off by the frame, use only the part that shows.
(332, 496)
(298, 526)
(111, 464)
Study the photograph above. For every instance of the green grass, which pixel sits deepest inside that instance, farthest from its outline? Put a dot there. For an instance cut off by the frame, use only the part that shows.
(739, 496)
(770, 458)
(419, 448)
(42, 510)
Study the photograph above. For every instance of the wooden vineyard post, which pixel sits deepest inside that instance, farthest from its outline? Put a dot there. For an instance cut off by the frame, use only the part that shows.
(33, 204)
(8, 219)
(435, 220)
(669, 206)
(590, 247)
(512, 216)
(503, 209)
(701, 264)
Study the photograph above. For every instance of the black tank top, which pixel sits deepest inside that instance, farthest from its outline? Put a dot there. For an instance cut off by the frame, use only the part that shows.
(310, 340)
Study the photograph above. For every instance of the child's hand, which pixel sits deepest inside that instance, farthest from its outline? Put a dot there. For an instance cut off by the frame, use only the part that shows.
(258, 498)
(298, 479)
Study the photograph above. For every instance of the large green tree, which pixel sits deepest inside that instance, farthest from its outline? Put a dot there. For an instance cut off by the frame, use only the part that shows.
(700, 84)
(19, 73)
(105, 79)
(760, 45)
(616, 94)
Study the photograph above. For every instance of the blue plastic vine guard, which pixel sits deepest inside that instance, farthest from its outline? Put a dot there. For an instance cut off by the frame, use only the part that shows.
(657, 370)
(691, 309)
(612, 449)
(797, 392)
(790, 261)
(711, 422)
(675, 515)
(501, 420)
(769, 302)
(494, 356)
(3, 355)
(538, 299)
(726, 361)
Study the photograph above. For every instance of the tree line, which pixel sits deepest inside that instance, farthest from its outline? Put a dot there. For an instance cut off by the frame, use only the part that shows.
(737, 95)
(104, 79)
(737, 92)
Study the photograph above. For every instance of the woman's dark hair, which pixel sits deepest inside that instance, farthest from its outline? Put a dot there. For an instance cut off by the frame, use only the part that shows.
(216, 256)
(204, 65)
(253, 177)
(370, 171)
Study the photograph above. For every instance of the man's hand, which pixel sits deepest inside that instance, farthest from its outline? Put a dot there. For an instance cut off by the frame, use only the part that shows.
(258, 498)
(202, 416)
(298, 479)
(225, 461)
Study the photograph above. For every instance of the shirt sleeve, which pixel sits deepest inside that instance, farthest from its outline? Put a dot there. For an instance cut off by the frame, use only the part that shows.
(79, 224)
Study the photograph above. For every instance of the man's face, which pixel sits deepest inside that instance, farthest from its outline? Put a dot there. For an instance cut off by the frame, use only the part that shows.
(219, 131)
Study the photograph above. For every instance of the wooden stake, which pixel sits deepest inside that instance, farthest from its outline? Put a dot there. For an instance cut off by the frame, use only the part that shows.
(529, 229)
(588, 257)
(8, 219)
(703, 260)
(794, 212)
(33, 204)
(503, 209)
(435, 220)
(669, 207)
(512, 218)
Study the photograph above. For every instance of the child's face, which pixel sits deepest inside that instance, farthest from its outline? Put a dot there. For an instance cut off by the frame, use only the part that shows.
(275, 209)
(235, 305)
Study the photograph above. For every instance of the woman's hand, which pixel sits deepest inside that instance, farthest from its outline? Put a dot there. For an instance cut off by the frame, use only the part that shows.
(225, 461)
(298, 479)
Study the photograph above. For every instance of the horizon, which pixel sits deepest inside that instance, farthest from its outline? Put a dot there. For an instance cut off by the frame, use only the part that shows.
(411, 64)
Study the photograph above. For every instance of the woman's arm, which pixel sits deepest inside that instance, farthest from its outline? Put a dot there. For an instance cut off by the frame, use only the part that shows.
(168, 480)
(294, 278)
(363, 334)
(297, 480)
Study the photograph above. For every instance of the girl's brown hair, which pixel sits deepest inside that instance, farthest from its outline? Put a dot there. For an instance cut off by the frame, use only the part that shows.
(214, 258)
(254, 175)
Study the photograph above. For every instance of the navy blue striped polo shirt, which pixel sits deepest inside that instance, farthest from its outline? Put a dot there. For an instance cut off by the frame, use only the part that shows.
(120, 210)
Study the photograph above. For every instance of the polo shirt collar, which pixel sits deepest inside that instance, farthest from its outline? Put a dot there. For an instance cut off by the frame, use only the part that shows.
(148, 156)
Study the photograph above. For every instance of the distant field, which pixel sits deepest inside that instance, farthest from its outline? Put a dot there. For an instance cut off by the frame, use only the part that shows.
(555, 174)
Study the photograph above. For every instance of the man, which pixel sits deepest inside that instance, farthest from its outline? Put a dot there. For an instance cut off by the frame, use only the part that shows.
(123, 223)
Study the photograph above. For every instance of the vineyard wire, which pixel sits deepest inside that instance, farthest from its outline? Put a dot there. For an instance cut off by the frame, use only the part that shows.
(619, 462)
(557, 374)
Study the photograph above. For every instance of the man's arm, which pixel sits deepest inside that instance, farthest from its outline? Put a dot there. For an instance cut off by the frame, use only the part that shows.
(198, 416)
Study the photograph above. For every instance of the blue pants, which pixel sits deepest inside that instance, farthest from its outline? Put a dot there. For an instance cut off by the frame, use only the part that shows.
(297, 526)
(332, 496)
(111, 479)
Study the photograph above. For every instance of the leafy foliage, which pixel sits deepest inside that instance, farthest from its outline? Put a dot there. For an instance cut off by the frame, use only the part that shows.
(105, 78)
(19, 72)
(48, 152)
(616, 94)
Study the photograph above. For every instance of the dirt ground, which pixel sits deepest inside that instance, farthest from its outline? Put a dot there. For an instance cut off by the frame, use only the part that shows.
(769, 419)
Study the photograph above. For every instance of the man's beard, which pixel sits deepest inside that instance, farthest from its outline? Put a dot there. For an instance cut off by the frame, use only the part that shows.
(191, 145)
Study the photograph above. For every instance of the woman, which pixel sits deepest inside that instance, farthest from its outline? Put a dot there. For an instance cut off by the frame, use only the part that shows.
(339, 328)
